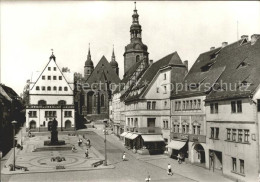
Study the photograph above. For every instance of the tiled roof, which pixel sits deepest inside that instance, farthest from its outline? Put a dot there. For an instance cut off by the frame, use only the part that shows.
(103, 72)
(169, 60)
(242, 73)
(3, 94)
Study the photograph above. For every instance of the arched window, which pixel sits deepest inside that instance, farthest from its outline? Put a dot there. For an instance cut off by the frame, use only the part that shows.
(49, 88)
(65, 88)
(61, 102)
(60, 88)
(37, 88)
(137, 58)
(67, 124)
(102, 101)
(54, 88)
(42, 102)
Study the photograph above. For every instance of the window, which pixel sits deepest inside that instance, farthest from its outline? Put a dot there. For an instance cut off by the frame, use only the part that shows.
(187, 105)
(54, 77)
(37, 88)
(157, 90)
(198, 130)
(43, 87)
(191, 104)
(60, 88)
(165, 103)
(240, 135)
(217, 133)
(258, 105)
(42, 102)
(228, 133)
(242, 166)
(55, 88)
(246, 135)
(216, 108)
(49, 77)
(33, 114)
(137, 58)
(213, 108)
(164, 125)
(165, 89)
(61, 102)
(60, 77)
(167, 124)
(153, 105)
(67, 113)
(234, 164)
(65, 88)
(48, 88)
(102, 100)
(54, 68)
(199, 103)
(148, 105)
(239, 106)
(50, 114)
(212, 132)
(183, 129)
(164, 76)
(234, 134)
(43, 77)
(183, 105)
(49, 68)
(194, 130)
(233, 107)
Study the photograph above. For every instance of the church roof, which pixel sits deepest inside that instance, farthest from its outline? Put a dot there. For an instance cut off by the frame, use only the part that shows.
(103, 72)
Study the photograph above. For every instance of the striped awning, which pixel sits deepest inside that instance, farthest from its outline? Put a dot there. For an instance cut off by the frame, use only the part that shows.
(152, 138)
(177, 145)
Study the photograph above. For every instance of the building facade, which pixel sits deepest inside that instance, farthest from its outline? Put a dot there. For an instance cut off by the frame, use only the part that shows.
(51, 97)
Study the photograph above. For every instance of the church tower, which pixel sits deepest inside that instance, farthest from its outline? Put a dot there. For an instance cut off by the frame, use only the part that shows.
(89, 66)
(135, 51)
(113, 62)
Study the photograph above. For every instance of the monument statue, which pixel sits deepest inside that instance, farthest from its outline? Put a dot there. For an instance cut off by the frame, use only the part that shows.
(54, 132)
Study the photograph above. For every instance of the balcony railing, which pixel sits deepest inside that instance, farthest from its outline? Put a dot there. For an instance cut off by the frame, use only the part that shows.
(190, 137)
(155, 130)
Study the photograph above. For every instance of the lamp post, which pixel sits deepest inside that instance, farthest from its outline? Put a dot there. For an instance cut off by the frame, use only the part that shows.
(14, 122)
(1, 155)
(105, 133)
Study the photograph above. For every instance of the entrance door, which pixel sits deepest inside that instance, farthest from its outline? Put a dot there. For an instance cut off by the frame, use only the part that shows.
(198, 154)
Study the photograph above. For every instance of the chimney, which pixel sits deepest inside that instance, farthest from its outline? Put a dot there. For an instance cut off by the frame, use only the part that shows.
(186, 64)
(212, 48)
(244, 37)
(151, 62)
(254, 38)
(224, 44)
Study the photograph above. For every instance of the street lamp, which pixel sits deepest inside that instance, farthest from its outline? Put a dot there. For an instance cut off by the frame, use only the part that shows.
(105, 133)
(14, 122)
(1, 155)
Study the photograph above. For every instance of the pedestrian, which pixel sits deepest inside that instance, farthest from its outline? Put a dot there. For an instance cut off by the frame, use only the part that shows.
(169, 170)
(124, 156)
(73, 149)
(86, 153)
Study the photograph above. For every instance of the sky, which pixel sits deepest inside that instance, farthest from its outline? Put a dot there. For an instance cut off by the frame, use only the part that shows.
(30, 29)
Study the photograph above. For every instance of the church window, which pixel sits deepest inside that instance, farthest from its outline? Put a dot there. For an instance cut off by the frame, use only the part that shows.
(65, 88)
(49, 68)
(43, 87)
(54, 88)
(43, 77)
(60, 88)
(54, 68)
(54, 77)
(49, 77)
(37, 88)
(48, 88)
(137, 58)
(102, 101)
(60, 77)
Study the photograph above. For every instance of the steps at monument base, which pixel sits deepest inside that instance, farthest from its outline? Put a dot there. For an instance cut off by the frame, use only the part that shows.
(52, 148)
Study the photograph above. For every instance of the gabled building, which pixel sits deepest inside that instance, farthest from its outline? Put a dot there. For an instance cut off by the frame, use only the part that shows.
(233, 112)
(51, 97)
(147, 105)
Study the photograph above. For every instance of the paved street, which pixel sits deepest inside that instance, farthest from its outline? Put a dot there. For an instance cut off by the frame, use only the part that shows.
(136, 168)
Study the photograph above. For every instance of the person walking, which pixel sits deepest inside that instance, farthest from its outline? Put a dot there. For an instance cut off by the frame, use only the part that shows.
(124, 156)
(86, 153)
(169, 170)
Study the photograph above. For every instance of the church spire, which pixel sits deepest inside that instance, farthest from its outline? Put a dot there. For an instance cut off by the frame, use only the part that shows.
(135, 28)
(113, 58)
(89, 55)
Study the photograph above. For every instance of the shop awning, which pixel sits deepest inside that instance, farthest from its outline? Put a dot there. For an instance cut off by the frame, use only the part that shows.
(152, 138)
(133, 136)
(177, 145)
(128, 135)
(123, 134)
